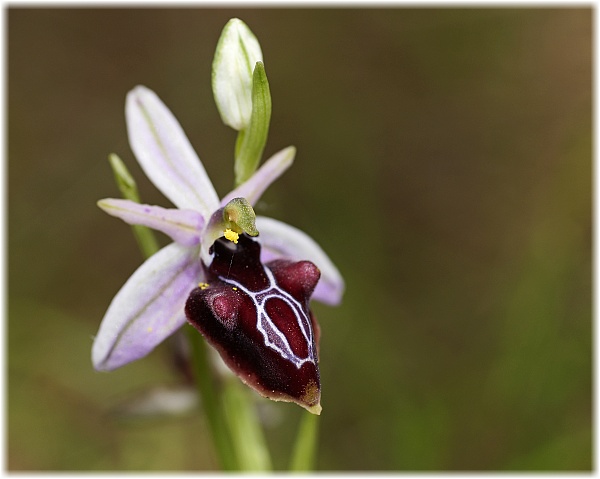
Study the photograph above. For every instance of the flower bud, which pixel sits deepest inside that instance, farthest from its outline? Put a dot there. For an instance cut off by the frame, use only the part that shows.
(237, 52)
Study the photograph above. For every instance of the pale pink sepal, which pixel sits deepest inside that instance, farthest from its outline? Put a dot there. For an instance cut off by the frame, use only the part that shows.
(148, 308)
(280, 240)
(165, 153)
(184, 226)
(273, 168)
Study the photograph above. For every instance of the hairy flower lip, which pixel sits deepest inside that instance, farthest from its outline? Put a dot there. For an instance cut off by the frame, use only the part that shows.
(131, 327)
(258, 319)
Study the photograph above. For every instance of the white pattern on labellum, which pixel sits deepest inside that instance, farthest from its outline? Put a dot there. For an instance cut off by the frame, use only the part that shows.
(273, 336)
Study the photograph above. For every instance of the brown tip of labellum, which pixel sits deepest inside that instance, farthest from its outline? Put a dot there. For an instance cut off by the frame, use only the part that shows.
(312, 398)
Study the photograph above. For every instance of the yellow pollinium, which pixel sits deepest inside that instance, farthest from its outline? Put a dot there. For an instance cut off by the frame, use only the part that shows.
(231, 235)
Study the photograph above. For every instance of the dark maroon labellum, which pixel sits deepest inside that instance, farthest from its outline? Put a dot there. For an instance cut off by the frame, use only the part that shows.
(257, 318)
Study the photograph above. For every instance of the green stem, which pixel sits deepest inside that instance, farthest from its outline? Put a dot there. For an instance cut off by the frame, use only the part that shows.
(247, 436)
(303, 456)
(210, 401)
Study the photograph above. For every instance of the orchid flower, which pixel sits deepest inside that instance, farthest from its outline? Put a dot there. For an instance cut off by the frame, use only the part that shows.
(151, 304)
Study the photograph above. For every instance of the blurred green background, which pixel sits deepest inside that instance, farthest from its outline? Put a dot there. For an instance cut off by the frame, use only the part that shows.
(444, 163)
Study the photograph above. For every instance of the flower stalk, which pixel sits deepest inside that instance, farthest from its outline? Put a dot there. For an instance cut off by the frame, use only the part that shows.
(213, 410)
(305, 448)
(247, 436)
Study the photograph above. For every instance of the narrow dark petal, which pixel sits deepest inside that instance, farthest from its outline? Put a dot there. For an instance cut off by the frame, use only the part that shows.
(257, 318)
